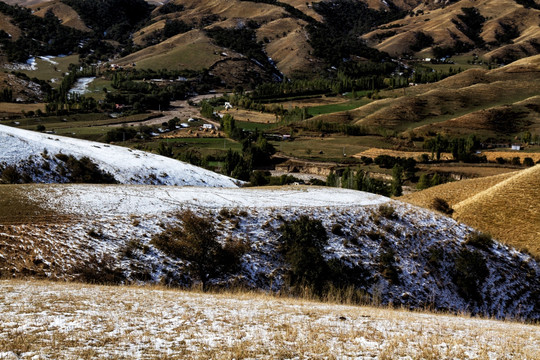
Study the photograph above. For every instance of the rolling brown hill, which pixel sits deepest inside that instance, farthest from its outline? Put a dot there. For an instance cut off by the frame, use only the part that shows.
(191, 50)
(507, 206)
(494, 103)
(7, 26)
(508, 210)
(65, 13)
(440, 21)
(285, 38)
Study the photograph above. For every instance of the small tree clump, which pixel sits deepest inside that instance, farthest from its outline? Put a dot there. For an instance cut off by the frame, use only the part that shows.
(528, 162)
(470, 273)
(387, 211)
(479, 240)
(195, 240)
(441, 205)
(10, 175)
(303, 241)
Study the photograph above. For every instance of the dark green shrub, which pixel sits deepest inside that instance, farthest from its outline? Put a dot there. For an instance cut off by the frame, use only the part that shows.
(225, 213)
(442, 206)
(387, 211)
(528, 162)
(302, 243)
(387, 267)
(99, 270)
(10, 175)
(84, 170)
(470, 273)
(435, 257)
(337, 229)
(62, 157)
(479, 240)
(195, 240)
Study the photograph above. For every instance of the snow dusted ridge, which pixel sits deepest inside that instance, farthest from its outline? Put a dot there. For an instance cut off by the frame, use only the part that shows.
(128, 166)
(112, 227)
(99, 200)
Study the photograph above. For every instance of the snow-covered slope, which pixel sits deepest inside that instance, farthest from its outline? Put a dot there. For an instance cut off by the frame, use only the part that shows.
(111, 227)
(34, 153)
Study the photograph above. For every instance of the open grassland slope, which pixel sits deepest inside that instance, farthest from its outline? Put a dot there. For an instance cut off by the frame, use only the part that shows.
(73, 321)
(65, 13)
(260, 12)
(285, 38)
(191, 50)
(505, 205)
(395, 253)
(454, 192)
(287, 44)
(485, 100)
(510, 210)
(511, 118)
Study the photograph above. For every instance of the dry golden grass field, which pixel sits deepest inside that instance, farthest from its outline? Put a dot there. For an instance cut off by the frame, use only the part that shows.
(374, 152)
(15, 108)
(455, 192)
(468, 171)
(509, 210)
(65, 13)
(192, 50)
(507, 206)
(509, 155)
(73, 321)
(252, 116)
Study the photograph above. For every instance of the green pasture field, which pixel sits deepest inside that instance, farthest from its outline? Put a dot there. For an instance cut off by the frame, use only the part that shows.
(95, 88)
(332, 148)
(253, 125)
(47, 71)
(92, 126)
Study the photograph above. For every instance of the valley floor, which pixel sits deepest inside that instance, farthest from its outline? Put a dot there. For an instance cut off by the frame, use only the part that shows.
(44, 320)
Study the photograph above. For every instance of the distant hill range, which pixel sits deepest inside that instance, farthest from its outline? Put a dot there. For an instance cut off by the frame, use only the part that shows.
(491, 103)
(299, 37)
